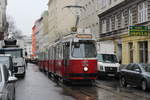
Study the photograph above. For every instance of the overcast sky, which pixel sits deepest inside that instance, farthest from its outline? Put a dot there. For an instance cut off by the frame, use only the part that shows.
(25, 12)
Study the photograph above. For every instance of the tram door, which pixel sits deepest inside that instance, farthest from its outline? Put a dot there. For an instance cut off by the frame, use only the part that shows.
(66, 55)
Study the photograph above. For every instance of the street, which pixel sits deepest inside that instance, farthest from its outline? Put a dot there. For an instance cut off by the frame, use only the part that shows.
(75, 50)
(37, 86)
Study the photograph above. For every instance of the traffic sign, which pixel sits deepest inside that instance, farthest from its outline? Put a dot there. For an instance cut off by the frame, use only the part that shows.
(139, 30)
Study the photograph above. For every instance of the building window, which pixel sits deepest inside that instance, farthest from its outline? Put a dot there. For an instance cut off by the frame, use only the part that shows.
(142, 12)
(143, 50)
(131, 52)
(103, 3)
(110, 24)
(122, 20)
(104, 26)
(130, 17)
(116, 23)
(109, 2)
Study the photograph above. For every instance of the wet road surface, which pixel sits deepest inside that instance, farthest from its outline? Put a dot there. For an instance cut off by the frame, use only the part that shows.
(37, 86)
(132, 92)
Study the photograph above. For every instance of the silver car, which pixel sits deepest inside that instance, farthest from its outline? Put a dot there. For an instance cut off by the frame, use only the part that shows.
(7, 84)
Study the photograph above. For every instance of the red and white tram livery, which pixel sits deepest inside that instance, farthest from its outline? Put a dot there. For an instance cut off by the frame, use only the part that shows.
(73, 58)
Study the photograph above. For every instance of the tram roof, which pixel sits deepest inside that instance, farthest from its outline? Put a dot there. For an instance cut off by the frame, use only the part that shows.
(72, 36)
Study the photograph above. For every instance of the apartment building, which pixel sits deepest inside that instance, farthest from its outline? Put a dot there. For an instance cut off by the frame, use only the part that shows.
(115, 23)
(33, 41)
(40, 36)
(89, 18)
(37, 31)
(61, 19)
(43, 35)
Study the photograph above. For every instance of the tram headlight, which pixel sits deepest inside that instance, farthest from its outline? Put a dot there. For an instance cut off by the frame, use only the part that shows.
(86, 69)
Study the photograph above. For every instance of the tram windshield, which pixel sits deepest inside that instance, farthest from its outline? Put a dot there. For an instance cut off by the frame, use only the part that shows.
(84, 49)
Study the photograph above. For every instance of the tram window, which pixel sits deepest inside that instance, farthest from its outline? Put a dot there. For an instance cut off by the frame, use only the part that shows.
(85, 50)
(66, 51)
(67, 44)
(57, 52)
(76, 45)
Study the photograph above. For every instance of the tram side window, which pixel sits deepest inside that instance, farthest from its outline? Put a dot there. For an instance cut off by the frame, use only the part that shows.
(56, 52)
(60, 52)
(49, 53)
(66, 50)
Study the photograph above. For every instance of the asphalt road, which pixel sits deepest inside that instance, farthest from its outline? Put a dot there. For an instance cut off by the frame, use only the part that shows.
(37, 86)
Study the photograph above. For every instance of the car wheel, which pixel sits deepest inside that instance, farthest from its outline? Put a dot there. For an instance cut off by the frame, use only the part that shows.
(123, 82)
(144, 85)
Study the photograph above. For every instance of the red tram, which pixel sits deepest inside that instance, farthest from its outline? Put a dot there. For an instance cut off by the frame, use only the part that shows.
(73, 58)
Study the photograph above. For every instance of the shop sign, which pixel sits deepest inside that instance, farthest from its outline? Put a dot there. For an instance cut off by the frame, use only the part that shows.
(139, 31)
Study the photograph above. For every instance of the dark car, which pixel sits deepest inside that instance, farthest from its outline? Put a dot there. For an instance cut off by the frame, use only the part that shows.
(136, 74)
(7, 84)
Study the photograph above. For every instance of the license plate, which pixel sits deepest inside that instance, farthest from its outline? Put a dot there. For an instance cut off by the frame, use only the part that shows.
(20, 70)
(111, 74)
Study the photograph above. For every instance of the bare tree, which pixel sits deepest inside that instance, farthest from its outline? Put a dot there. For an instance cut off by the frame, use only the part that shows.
(12, 28)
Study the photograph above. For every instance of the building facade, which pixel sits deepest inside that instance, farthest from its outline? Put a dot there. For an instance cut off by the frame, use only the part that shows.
(114, 26)
(61, 19)
(89, 15)
(40, 36)
(44, 37)
(33, 41)
(3, 22)
(37, 32)
(89, 19)
(28, 45)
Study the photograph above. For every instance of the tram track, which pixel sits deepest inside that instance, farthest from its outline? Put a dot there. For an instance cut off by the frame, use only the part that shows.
(129, 93)
(80, 92)
(86, 92)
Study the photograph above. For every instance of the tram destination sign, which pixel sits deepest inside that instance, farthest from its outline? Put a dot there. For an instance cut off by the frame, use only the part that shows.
(139, 31)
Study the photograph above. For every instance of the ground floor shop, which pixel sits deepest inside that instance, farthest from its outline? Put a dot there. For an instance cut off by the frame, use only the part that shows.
(135, 49)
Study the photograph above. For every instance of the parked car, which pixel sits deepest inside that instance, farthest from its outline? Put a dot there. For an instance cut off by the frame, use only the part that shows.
(7, 84)
(136, 74)
(7, 60)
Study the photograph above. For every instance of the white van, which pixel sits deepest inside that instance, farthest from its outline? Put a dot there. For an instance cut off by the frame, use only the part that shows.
(108, 65)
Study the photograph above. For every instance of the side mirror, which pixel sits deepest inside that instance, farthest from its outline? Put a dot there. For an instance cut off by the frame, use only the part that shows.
(12, 79)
